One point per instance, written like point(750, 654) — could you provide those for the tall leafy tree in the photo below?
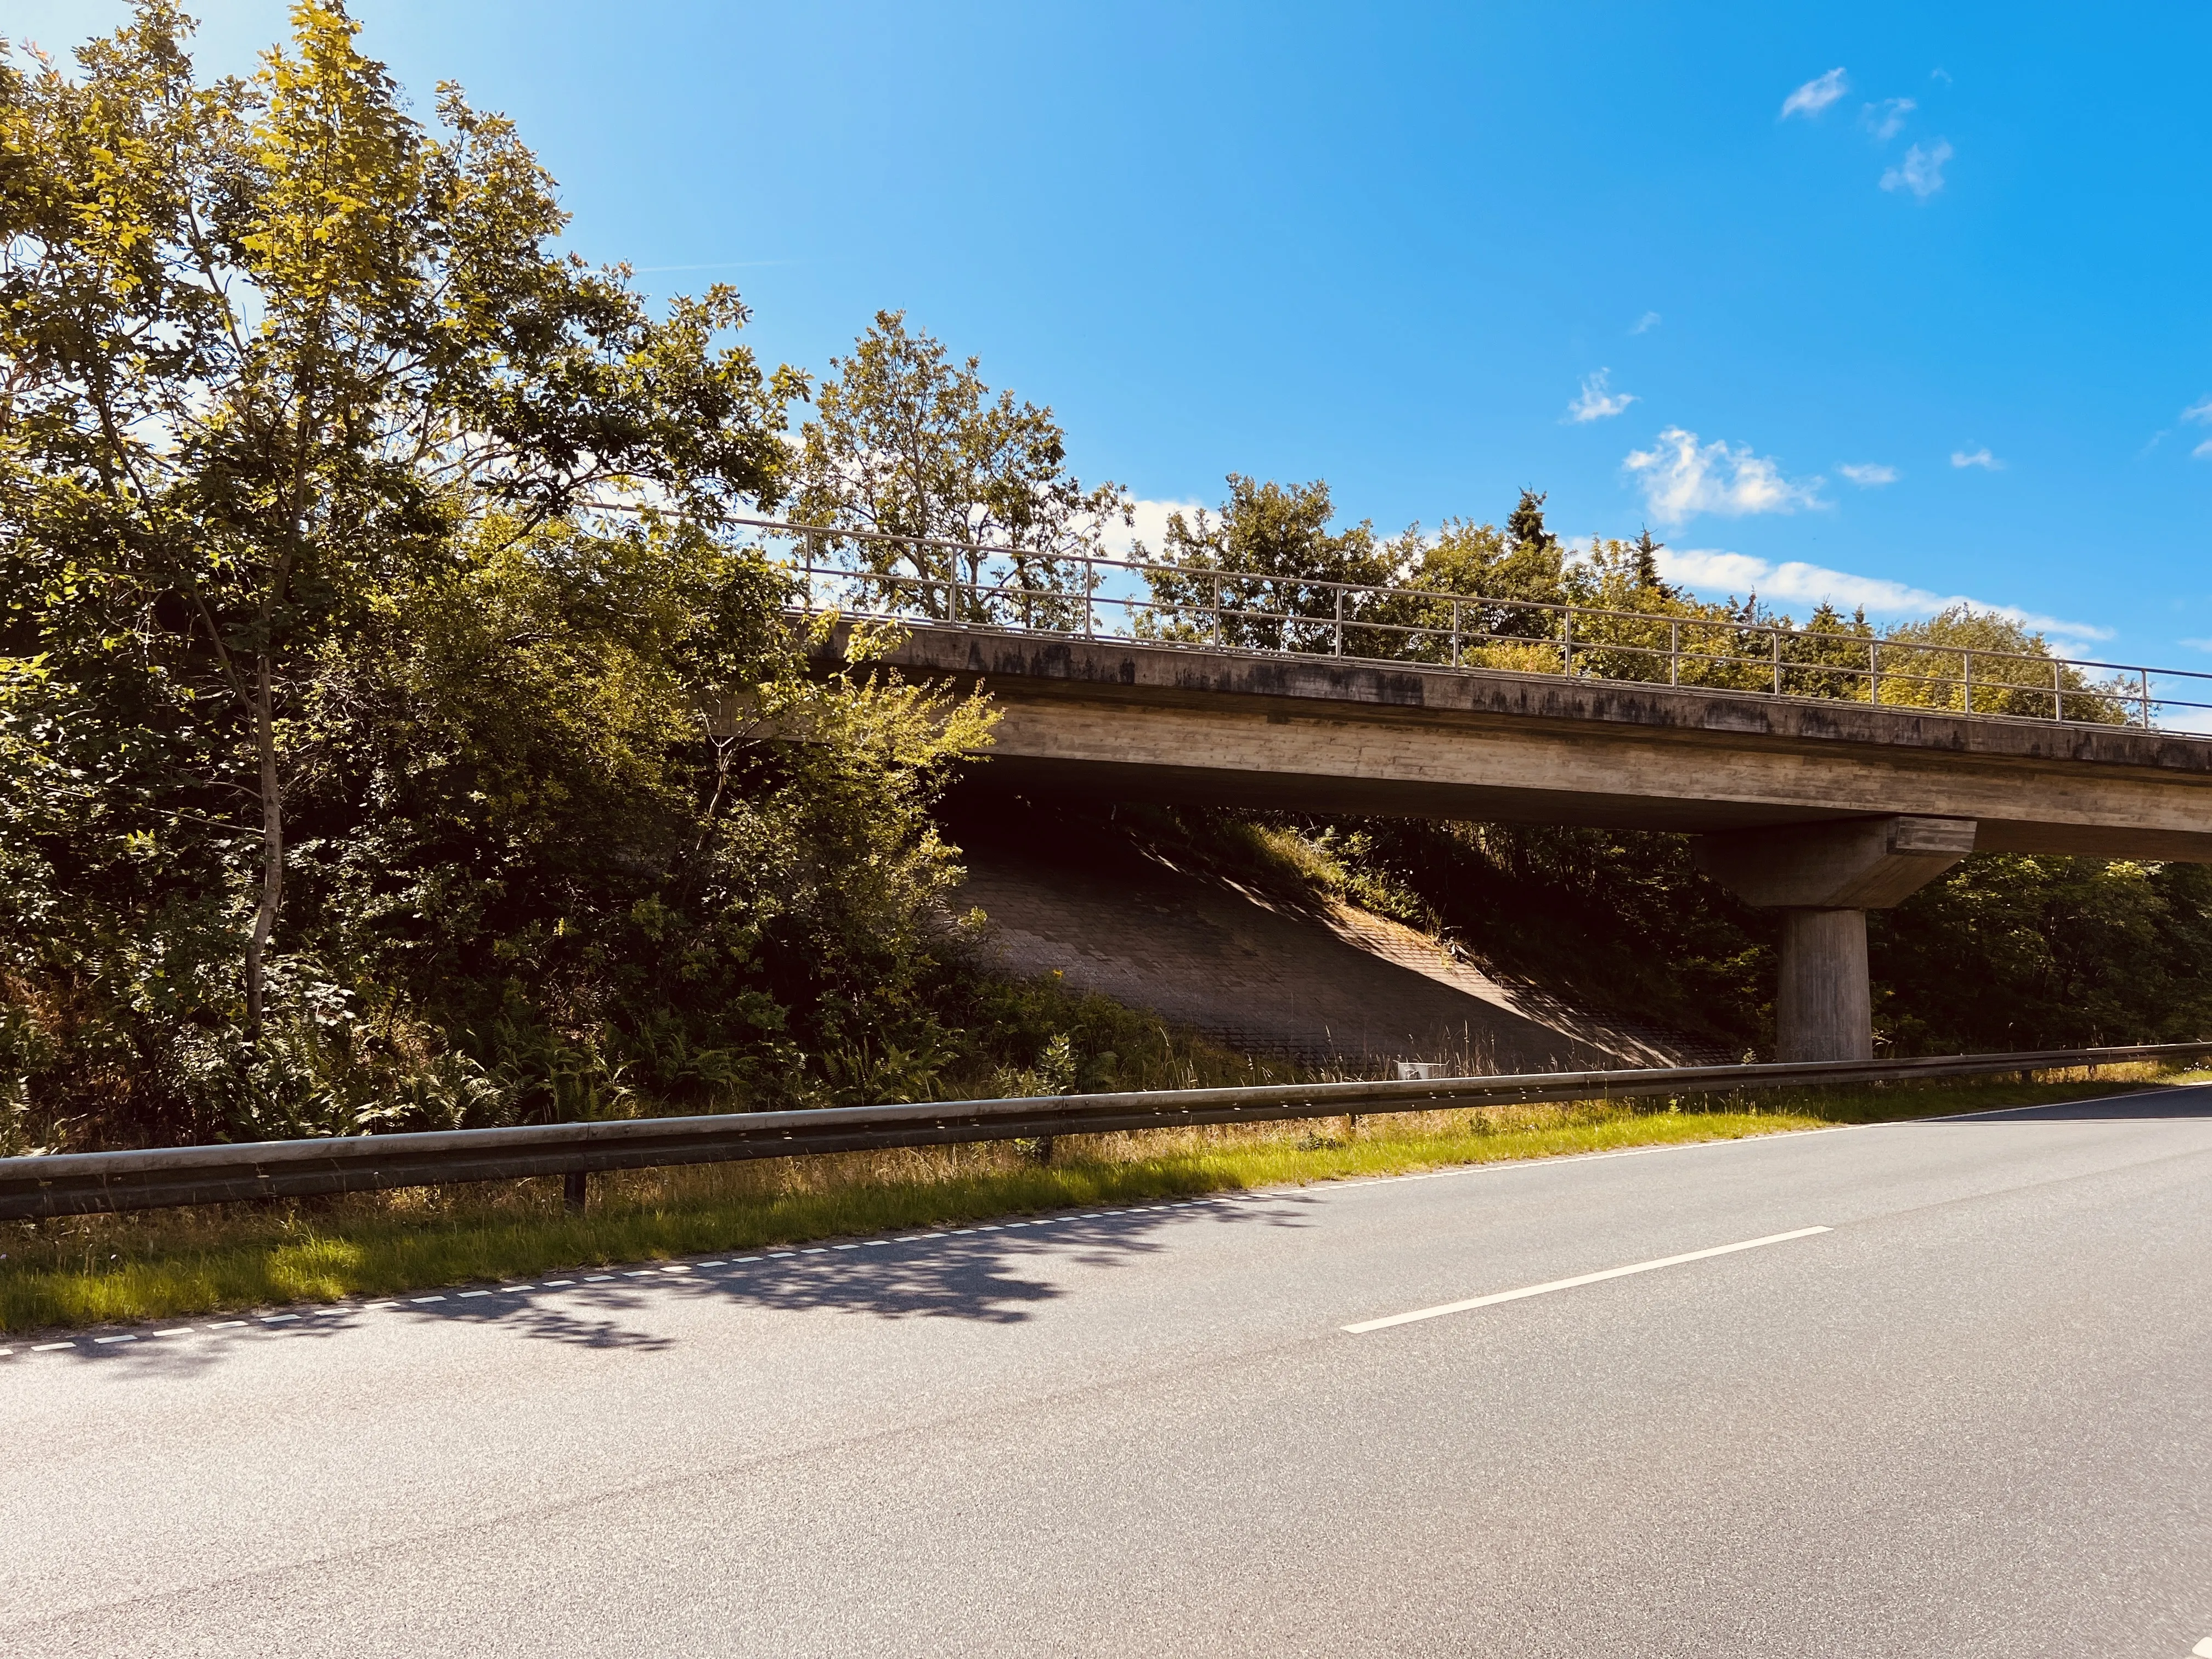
point(269, 342)
point(908, 442)
point(1267, 571)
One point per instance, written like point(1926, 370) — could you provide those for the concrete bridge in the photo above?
point(1822, 810)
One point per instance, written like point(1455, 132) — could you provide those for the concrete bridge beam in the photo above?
point(1824, 877)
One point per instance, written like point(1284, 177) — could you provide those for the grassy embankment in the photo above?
point(91, 1270)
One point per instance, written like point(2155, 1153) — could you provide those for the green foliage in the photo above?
point(270, 344)
point(906, 442)
point(1280, 557)
point(318, 611)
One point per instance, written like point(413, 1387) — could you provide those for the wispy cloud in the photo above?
point(1682, 478)
point(1887, 119)
point(1598, 401)
point(2200, 412)
point(1981, 458)
point(1815, 95)
point(1715, 570)
point(1870, 474)
point(1921, 172)
point(1646, 323)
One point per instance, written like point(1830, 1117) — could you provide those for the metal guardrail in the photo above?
point(84, 1183)
point(1071, 594)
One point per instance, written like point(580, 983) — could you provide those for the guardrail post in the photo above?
point(1216, 610)
point(1339, 647)
point(1567, 640)
point(1775, 636)
point(1967, 682)
point(2145, 673)
point(1455, 633)
point(1089, 597)
point(575, 1191)
point(1674, 652)
point(1873, 672)
point(2057, 690)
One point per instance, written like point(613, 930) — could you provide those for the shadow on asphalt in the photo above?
point(2174, 1102)
point(977, 1275)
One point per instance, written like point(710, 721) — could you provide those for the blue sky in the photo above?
point(1887, 303)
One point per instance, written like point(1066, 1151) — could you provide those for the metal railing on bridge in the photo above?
point(1090, 596)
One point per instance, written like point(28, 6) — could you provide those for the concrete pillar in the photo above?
point(1822, 1006)
point(1824, 877)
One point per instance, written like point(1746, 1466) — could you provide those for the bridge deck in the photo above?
point(1138, 721)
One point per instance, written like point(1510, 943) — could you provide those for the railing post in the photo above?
point(1339, 647)
point(1775, 636)
point(1567, 640)
point(1873, 672)
point(1089, 592)
point(1967, 681)
point(1674, 652)
point(1455, 633)
point(2145, 673)
point(1217, 609)
point(2057, 690)
point(575, 1191)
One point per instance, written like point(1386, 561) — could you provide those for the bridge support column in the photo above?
point(1823, 1009)
point(1824, 877)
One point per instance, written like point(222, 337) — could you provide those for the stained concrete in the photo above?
point(1324, 984)
point(1131, 720)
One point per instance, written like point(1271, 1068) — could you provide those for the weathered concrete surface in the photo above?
point(1324, 985)
point(1823, 1005)
point(1159, 722)
point(1849, 864)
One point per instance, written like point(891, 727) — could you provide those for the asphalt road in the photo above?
point(1974, 1417)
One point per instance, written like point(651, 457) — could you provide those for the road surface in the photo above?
point(1972, 1416)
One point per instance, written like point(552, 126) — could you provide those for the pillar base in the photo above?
point(1822, 1009)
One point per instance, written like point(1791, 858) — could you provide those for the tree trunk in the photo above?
point(272, 843)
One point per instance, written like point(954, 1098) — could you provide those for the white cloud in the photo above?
point(1646, 323)
point(1682, 478)
point(1598, 401)
point(1150, 526)
point(1815, 95)
point(1921, 172)
point(1980, 457)
point(2201, 411)
point(2202, 450)
point(1716, 571)
point(1887, 119)
point(1872, 474)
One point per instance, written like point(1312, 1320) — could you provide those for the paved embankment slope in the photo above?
point(1319, 981)
point(1972, 1417)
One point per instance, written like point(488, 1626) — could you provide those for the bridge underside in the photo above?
point(1169, 784)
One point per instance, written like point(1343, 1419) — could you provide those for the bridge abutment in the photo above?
point(1824, 877)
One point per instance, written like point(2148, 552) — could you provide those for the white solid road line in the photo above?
point(2202, 1649)
point(1580, 1278)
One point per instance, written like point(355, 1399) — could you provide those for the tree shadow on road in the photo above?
point(1000, 1275)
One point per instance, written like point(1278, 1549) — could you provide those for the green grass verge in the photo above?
point(166, 1264)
